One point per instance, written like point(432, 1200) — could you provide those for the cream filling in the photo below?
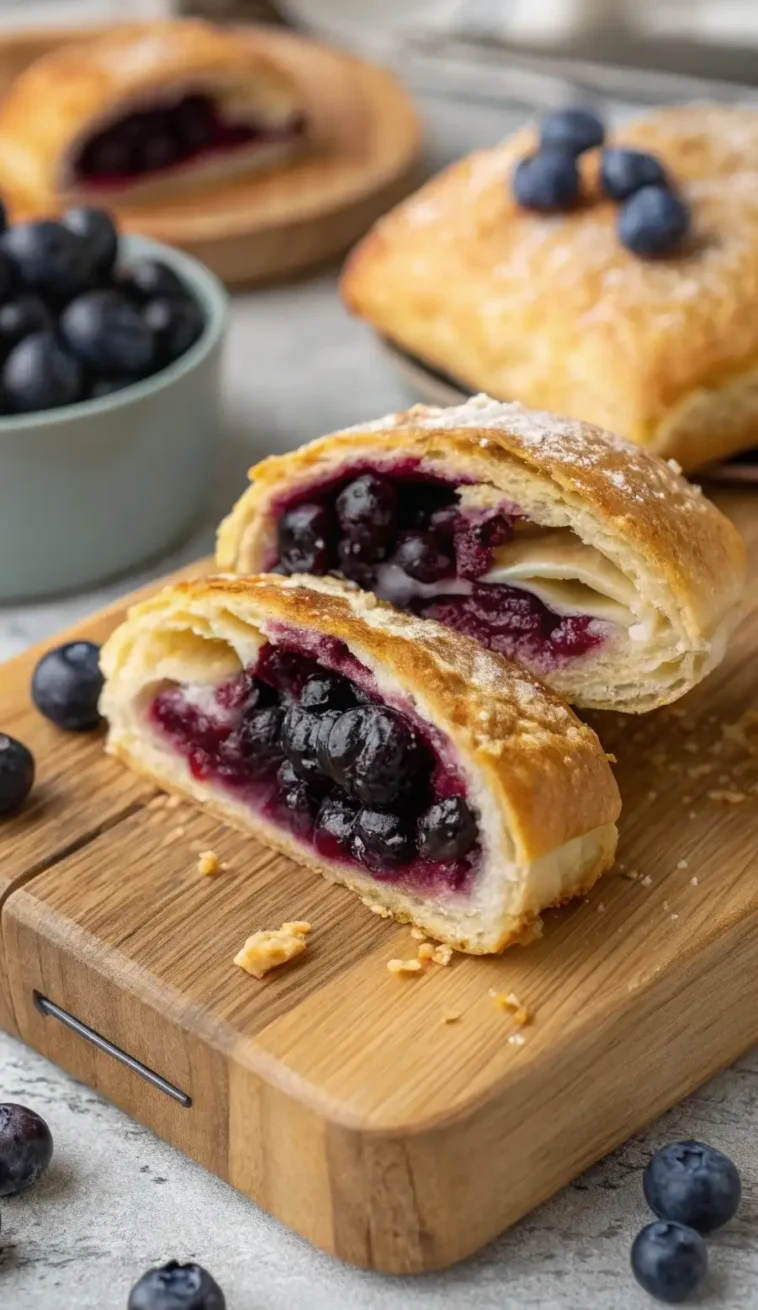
point(565, 574)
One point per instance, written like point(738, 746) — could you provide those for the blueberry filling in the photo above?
point(162, 136)
point(314, 749)
point(407, 537)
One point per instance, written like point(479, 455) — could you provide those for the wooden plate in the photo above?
point(268, 225)
point(438, 389)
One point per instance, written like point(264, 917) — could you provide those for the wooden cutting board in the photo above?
point(266, 226)
point(333, 1093)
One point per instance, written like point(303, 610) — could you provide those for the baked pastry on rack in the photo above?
point(433, 778)
point(551, 310)
point(130, 115)
point(590, 561)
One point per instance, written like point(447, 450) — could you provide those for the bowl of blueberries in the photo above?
point(109, 399)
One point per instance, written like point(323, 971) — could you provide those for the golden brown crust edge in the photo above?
point(61, 94)
point(680, 535)
point(664, 352)
point(545, 769)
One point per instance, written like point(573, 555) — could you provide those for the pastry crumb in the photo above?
point(512, 1005)
point(630, 874)
point(693, 882)
point(452, 1016)
point(443, 954)
point(674, 916)
point(425, 951)
point(730, 797)
point(686, 800)
point(601, 908)
point(652, 795)
point(173, 802)
point(699, 770)
point(692, 747)
point(382, 910)
point(516, 1039)
point(404, 966)
point(208, 863)
point(646, 881)
point(692, 814)
point(683, 864)
point(270, 947)
point(675, 465)
point(611, 758)
point(418, 935)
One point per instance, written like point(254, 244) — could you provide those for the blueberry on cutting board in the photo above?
point(16, 773)
point(669, 1260)
point(66, 686)
point(26, 1148)
point(693, 1184)
point(177, 1287)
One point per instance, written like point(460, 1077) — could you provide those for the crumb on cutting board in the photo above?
point(452, 1016)
point(270, 947)
point(208, 863)
point(512, 1005)
point(404, 966)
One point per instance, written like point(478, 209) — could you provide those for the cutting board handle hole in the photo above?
point(52, 1011)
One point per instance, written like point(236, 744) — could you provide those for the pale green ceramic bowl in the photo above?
point(93, 489)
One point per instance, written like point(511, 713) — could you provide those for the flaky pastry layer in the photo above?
point(552, 311)
point(537, 777)
point(683, 560)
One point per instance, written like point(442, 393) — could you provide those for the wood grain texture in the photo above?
point(266, 226)
point(332, 1092)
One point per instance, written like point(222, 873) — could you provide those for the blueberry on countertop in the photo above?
point(98, 230)
point(547, 181)
point(176, 323)
point(669, 1260)
point(48, 258)
point(108, 334)
point(26, 1148)
point(16, 773)
point(147, 278)
point(40, 374)
point(693, 1184)
point(653, 222)
point(623, 171)
point(572, 130)
point(66, 686)
point(177, 1287)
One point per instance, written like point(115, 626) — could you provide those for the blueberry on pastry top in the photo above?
point(131, 114)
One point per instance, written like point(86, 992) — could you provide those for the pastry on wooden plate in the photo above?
point(550, 309)
point(142, 110)
point(436, 780)
point(590, 561)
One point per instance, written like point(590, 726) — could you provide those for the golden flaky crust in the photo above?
point(539, 778)
point(550, 310)
point(683, 556)
point(66, 95)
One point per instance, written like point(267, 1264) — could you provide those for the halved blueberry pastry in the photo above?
point(590, 561)
point(393, 756)
point(142, 109)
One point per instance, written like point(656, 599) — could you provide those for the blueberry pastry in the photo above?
point(615, 283)
point(134, 113)
point(590, 561)
point(434, 779)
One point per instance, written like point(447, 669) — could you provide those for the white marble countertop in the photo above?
point(117, 1200)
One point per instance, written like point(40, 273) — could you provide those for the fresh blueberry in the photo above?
point(106, 386)
point(148, 278)
point(39, 374)
point(305, 536)
point(653, 221)
point(327, 691)
point(299, 802)
point(573, 130)
point(66, 686)
point(334, 823)
point(447, 831)
point(693, 1184)
point(258, 741)
point(669, 1260)
point(299, 742)
point(374, 753)
point(105, 331)
point(16, 773)
point(622, 171)
point(420, 556)
point(547, 181)
point(19, 318)
point(367, 512)
point(379, 839)
point(26, 1148)
point(175, 324)
point(177, 1287)
point(98, 230)
point(48, 258)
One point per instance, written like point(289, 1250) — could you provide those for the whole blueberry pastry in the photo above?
point(433, 778)
point(133, 114)
point(590, 561)
point(615, 283)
